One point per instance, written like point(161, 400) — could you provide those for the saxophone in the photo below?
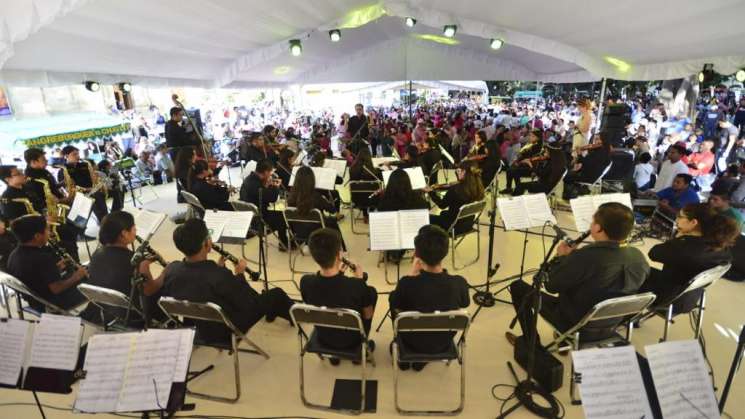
point(70, 187)
point(30, 210)
point(96, 182)
point(54, 208)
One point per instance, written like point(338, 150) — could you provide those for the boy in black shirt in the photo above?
point(428, 288)
point(331, 288)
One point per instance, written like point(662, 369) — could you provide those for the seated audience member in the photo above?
point(643, 172)
point(671, 167)
point(701, 162)
point(200, 280)
point(305, 197)
point(677, 196)
point(719, 200)
point(261, 190)
point(468, 189)
point(330, 287)
point(211, 195)
point(586, 276)
point(39, 268)
point(729, 180)
point(428, 288)
point(111, 265)
point(703, 241)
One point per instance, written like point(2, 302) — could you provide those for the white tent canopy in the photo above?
point(244, 43)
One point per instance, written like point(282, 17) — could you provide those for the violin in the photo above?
point(439, 186)
point(217, 182)
point(532, 160)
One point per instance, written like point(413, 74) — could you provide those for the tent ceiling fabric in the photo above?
point(243, 43)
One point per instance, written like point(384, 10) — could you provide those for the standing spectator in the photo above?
point(164, 164)
point(671, 167)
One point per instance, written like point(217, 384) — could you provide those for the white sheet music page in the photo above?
point(621, 198)
point(81, 207)
point(340, 166)
point(409, 223)
point(292, 175)
point(682, 380)
point(186, 345)
point(416, 176)
point(384, 231)
point(583, 208)
point(13, 335)
point(300, 158)
point(325, 178)
point(105, 365)
point(513, 213)
point(446, 155)
point(377, 161)
point(148, 222)
point(234, 224)
point(215, 224)
point(250, 167)
point(612, 385)
point(150, 371)
point(538, 209)
point(56, 342)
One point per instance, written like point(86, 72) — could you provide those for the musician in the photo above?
point(200, 280)
point(357, 126)
point(260, 189)
point(257, 150)
point(305, 197)
point(589, 167)
point(468, 189)
point(284, 166)
point(583, 277)
point(363, 169)
point(111, 266)
point(183, 168)
point(176, 135)
point(520, 168)
point(331, 287)
point(319, 160)
point(428, 288)
point(36, 171)
point(8, 242)
point(490, 164)
point(82, 175)
point(399, 195)
point(581, 132)
point(211, 194)
point(39, 268)
point(428, 157)
point(704, 239)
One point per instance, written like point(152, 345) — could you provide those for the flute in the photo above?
point(254, 275)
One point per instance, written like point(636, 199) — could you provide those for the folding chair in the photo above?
point(212, 312)
point(359, 195)
point(465, 223)
point(260, 230)
point(299, 229)
point(611, 314)
point(596, 187)
point(341, 318)
point(196, 208)
point(19, 288)
point(665, 308)
point(101, 297)
point(411, 322)
point(553, 195)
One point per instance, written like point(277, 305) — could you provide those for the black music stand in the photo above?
point(737, 359)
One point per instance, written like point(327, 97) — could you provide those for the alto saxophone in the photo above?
point(54, 208)
point(70, 187)
point(30, 210)
point(96, 182)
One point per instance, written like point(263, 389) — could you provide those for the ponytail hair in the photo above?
point(719, 231)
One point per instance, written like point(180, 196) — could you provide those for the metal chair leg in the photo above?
point(668, 320)
point(572, 383)
point(700, 317)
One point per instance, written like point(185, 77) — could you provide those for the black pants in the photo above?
point(531, 187)
point(522, 301)
point(100, 209)
point(275, 303)
point(514, 174)
point(276, 221)
point(117, 199)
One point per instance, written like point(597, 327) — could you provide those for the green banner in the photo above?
point(75, 136)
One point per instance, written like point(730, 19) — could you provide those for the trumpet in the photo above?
point(150, 253)
point(254, 275)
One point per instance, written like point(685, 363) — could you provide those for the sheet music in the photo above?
point(325, 178)
point(583, 209)
point(446, 155)
point(416, 176)
point(612, 385)
point(215, 226)
point(105, 365)
point(148, 222)
point(292, 175)
point(250, 167)
point(682, 380)
point(186, 344)
point(13, 335)
point(340, 166)
point(377, 161)
point(621, 198)
point(512, 212)
point(300, 158)
point(81, 208)
point(538, 209)
point(384, 230)
point(409, 223)
point(234, 224)
point(149, 373)
point(56, 342)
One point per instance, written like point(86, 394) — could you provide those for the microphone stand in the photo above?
point(137, 282)
point(262, 253)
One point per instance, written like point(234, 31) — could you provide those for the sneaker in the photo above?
point(418, 366)
point(404, 366)
point(371, 345)
point(335, 361)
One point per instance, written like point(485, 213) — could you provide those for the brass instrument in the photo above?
point(97, 184)
point(54, 208)
point(30, 210)
point(254, 275)
point(70, 187)
point(151, 253)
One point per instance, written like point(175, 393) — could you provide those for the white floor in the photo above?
point(270, 387)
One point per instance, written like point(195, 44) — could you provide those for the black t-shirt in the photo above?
point(339, 291)
point(12, 209)
point(110, 268)
point(359, 125)
point(211, 196)
point(176, 135)
point(250, 193)
point(79, 173)
point(427, 293)
point(37, 268)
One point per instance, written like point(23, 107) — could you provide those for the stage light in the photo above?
point(496, 43)
point(740, 76)
point(296, 48)
point(449, 30)
point(125, 87)
point(707, 74)
point(92, 86)
point(335, 35)
point(410, 22)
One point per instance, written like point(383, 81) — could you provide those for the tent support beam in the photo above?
point(601, 105)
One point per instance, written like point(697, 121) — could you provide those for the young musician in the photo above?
point(428, 157)
point(520, 168)
point(588, 167)
point(398, 194)
point(363, 169)
point(210, 194)
point(260, 189)
point(82, 175)
point(176, 136)
point(703, 241)
point(428, 288)
point(549, 172)
point(468, 189)
point(39, 268)
point(491, 163)
point(37, 173)
point(200, 280)
point(183, 167)
point(111, 265)
point(318, 160)
point(583, 277)
point(305, 197)
point(284, 166)
point(331, 288)
point(258, 150)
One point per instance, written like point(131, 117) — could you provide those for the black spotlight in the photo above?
point(296, 48)
point(125, 87)
point(410, 22)
point(92, 86)
point(335, 35)
point(707, 74)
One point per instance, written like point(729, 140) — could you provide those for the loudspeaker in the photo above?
point(547, 370)
point(613, 124)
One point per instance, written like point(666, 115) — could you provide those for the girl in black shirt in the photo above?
point(182, 169)
point(704, 240)
point(398, 194)
point(468, 189)
point(306, 198)
point(284, 166)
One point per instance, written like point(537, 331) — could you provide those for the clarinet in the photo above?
point(70, 264)
point(346, 262)
point(579, 239)
point(151, 253)
point(255, 276)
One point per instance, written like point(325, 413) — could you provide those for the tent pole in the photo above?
point(410, 113)
point(601, 105)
